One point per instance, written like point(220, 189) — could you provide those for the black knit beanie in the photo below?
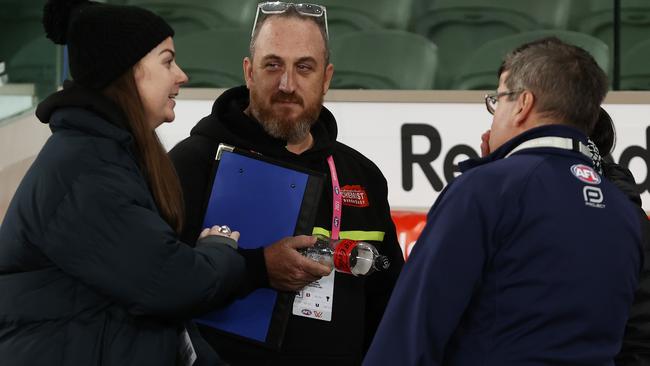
point(103, 40)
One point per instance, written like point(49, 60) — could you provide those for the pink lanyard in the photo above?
point(336, 200)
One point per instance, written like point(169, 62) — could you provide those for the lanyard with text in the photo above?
point(336, 199)
point(316, 300)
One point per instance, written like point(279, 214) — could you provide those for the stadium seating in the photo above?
point(479, 71)
point(187, 16)
point(635, 72)
point(341, 20)
point(213, 58)
point(458, 27)
point(36, 62)
point(240, 12)
point(383, 59)
point(462, 30)
point(596, 17)
point(21, 23)
point(345, 15)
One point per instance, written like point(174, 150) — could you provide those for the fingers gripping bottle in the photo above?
point(348, 256)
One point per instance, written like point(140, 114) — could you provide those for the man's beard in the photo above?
point(279, 125)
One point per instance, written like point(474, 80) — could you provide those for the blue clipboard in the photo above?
point(265, 200)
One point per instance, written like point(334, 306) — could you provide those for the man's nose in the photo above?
point(287, 82)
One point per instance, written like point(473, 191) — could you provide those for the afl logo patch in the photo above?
point(585, 174)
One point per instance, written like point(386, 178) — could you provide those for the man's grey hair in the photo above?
point(566, 81)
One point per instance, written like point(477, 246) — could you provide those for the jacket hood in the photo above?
point(228, 123)
point(80, 108)
point(622, 178)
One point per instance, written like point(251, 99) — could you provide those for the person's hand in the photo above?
point(221, 231)
point(485, 143)
point(288, 270)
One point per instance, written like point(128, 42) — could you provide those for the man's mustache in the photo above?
point(281, 97)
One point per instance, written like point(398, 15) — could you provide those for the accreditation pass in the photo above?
point(315, 300)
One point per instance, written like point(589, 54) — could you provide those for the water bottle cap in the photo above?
point(382, 262)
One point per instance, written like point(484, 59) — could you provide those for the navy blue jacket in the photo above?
point(521, 263)
point(90, 274)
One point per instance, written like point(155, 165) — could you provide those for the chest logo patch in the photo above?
point(585, 174)
point(354, 196)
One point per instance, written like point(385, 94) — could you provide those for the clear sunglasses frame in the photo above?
point(279, 7)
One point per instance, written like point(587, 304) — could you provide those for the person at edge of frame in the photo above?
point(91, 268)
point(635, 350)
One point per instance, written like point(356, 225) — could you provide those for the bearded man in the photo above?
point(280, 114)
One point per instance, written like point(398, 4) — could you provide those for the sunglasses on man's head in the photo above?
point(279, 7)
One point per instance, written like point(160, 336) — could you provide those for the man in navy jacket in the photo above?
point(530, 257)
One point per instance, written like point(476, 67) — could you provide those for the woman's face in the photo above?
point(158, 79)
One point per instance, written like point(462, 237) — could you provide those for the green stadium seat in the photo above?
point(21, 23)
point(37, 62)
point(341, 21)
point(240, 12)
point(479, 71)
point(184, 17)
point(346, 15)
point(420, 7)
point(635, 73)
point(213, 58)
point(383, 59)
point(596, 17)
point(458, 27)
point(187, 16)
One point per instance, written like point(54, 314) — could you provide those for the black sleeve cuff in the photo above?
point(217, 239)
point(256, 275)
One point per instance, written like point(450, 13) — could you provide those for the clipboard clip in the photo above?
point(222, 148)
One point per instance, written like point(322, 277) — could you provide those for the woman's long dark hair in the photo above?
point(154, 161)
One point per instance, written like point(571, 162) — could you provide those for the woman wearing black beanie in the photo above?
point(91, 270)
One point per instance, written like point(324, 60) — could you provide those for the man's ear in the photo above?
point(525, 103)
point(329, 72)
point(248, 71)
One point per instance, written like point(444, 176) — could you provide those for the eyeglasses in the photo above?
point(492, 99)
point(279, 7)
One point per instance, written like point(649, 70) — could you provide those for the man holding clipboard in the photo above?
point(279, 114)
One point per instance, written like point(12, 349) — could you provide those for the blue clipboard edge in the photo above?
point(254, 155)
point(308, 208)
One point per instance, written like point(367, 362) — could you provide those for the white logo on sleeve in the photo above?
point(593, 196)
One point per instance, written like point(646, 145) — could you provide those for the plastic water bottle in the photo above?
point(348, 256)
